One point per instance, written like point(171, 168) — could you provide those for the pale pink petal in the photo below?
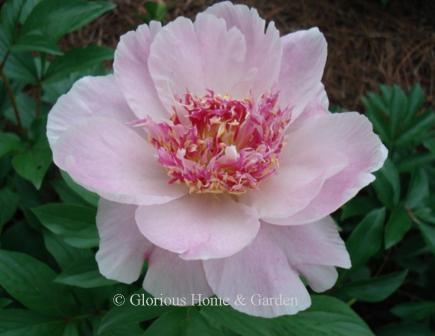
point(298, 181)
point(132, 73)
point(272, 264)
point(199, 226)
point(351, 135)
point(302, 64)
point(196, 57)
point(314, 243)
point(260, 270)
point(122, 250)
point(263, 45)
point(223, 55)
point(317, 106)
point(319, 277)
point(89, 97)
point(169, 276)
point(111, 159)
point(175, 61)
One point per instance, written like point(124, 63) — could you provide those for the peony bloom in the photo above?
point(216, 160)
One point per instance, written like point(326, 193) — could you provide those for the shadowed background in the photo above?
point(369, 42)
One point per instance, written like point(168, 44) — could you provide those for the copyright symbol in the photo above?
point(118, 300)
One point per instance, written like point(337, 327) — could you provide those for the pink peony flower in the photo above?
point(216, 160)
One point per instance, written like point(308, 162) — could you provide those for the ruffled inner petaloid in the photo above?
point(217, 144)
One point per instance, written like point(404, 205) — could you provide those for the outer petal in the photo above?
point(303, 61)
point(351, 135)
point(317, 106)
point(112, 160)
point(259, 271)
point(132, 73)
point(285, 253)
point(264, 49)
point(316, 243)
point(195, 57)
point(172, 277)
point(122, 247)
point(298, 181)
point(199, 226)
point(89, 97)
point(319, 277)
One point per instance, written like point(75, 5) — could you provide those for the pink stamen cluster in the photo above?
point(216, 144)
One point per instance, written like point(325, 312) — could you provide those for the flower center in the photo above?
point(216, 144)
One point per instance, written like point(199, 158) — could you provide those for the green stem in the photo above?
point(38, 100)
point(10, 94)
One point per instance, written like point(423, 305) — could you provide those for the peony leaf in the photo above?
point(414, 310)
point(76, 60)
point(74, 223)
point(8, 205)
point(327, 316)
point(24, 322)
point(58, 18)
point(397, 226)
point(83, 273)
point(374, 289)
point(124, 320)
point(368, 230)
point(33, 163)
point(30, 282)
point(183, 322)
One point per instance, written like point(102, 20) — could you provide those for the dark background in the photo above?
point(369, 41)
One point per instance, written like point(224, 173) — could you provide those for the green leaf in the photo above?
point(34, 163)
point(414, 310)
point(155, 11)
point(88, 196)
point(359, 205)
point(430, 144)
point(9, 142)
point(58, 18)
point(8, 205)
point(22, 238)
point(17, 322)
point(124, 320)
point(74, 223)
point(428, 233)
point(418, 189)
point(415, 102)
point(327, 316)
point(21, 67)
point(83, 273)
point(397, 226)
point(387, 184)
point(377, 112)
point(184, 321)
point(26, 107)
point(78, 59)
point(416, 134)
point(65, 193)
point(12, 13)
point(374, 289)
point(31, 283)
point(64, 254)
point(4, 302)
point(368, 230)
point(405, 329)
point(414, 161)
point(72, 329)
point(36, 41)
point(398, 109)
